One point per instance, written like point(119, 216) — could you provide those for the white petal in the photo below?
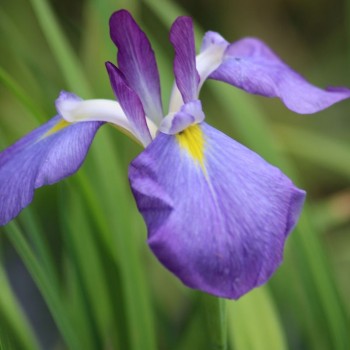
point(108, 111)
point(176, 100)
point(209, 60)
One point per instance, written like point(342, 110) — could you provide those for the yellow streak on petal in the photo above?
point(59, 126)
point(64, 123)
point(192, 140)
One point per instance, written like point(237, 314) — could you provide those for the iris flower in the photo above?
point(217, 214)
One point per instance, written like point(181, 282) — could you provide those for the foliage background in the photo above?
point(75, 271)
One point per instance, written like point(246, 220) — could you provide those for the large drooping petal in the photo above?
point(48, 154)
point(130, 103)
point(251, 65)
point(137, 62)
point(186, 75)
point(217, 214)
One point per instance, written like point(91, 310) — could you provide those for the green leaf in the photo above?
point(254, 324)
point(44, 283)
point(14, 325)
point(65, 56)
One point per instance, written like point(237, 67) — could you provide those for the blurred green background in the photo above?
point(75, 270)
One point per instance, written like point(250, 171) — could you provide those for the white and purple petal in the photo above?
point(130, 103)
point(218, 222)
point(212, 39)
point(209, 59)
point(251, 65)
point(109, 111)
point(211, 55)
point(74, 109)
point(189, 114)
point(186, 75)
point(137, 62)
point(48, 154)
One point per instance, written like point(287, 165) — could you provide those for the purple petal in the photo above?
point(45, 156)
point(190, 113)
point(186, 75)
point(219, 225)
point(252, 66)
point(130, 103)
point(137, 62)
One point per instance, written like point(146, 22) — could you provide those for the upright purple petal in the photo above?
point(218, 222)
point(186, 75)
point(130, 103)
point(48, 154)
point(137, 62)
point(252, 66)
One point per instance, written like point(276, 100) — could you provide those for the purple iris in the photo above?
point(217, 214)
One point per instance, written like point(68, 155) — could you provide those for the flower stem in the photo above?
point(216, 321)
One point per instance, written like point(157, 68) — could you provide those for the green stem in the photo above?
point(216, 321)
